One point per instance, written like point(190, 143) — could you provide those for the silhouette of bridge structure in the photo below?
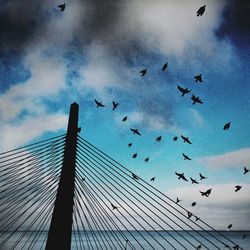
point(65, 193)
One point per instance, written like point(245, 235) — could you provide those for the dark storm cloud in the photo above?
point(19, 22)
point(236, 24)
point(105, 24)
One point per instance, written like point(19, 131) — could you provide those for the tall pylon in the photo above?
point(59, 236)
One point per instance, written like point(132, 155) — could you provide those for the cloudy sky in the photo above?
point(95, 50)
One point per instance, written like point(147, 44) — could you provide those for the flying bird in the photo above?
point(175, 138)
point(237, 188)
point(189, 215)
point(114, 207)
point(227, 126)
point(193, 204)
point(193, 181)
point(186, 157)
point(206, 193)
point(181, 176)
point(62, 7)
point(246, 170)
point(198, 78)
point(229, 226)
point(99, 104)
point(147, 159)
point(196, 99)
point(198, 247)
point(115, 105)
point(202, 177)
point(135, 177)
point(130, 144)
point(124, 119)
point(185, 139)
point(201, 11)
point(134, 155)
point(196, 218)
point(183, 91)
point(177, 200)
point(158, 138)
point(135, 131)
point(152, 179)
point(164, 67)
point(143, 72)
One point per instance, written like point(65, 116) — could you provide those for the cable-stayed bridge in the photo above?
point(65, 193)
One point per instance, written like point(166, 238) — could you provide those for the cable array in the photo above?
point(111, 199)
point(29, 177)
point(113, 207)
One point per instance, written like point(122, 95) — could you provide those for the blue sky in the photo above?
point(49, 59)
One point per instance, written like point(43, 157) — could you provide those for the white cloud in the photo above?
point(46, 80)
point(234, 159)
point(223, 207)
point(152, 122)
point(14, 135)
point(172, 26)
point(196, 117)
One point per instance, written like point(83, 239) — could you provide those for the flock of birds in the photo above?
point(185, 139)
point(195, 99)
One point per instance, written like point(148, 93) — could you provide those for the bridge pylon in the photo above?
point(59, 235)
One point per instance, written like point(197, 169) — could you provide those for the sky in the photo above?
point(96, 49)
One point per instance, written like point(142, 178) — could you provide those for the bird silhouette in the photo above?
point(196, 99)
point(201, 11)
point(185, 139)
point(99, 104)
point(206, 193)
point(130, 144)
point(193, 181)
point(164, 67)
point(246, 170)
point(196, 218)
point(193, 204)
point(186, 157)
point(134, 155)
point(152, 179)
point(115, 105)
point(198, 78)
point(229, 226)
point(237, 188)
point(177, 200)
point(202, 177)
point(181, 176)
point(175, 138)
point(135, 177)
point(143, 72)
point(147, 159)
point(124, 119)
point(158, 138)
point(183, 91)
point(114, 207)
point(135, 131)
point(227, 126)
point(62, 7)
point(198, 247)
point(189, 215)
